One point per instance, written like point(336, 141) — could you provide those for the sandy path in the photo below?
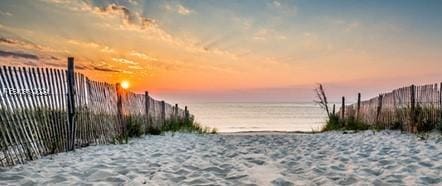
point(266, 159)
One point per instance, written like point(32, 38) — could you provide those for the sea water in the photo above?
point(235, 117)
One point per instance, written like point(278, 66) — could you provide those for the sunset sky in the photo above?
point(247, 50)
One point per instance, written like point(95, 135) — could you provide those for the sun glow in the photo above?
point(125, 84)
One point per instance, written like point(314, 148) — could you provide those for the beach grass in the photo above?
point(135, 126)
point(188, 125)
point(351, 123)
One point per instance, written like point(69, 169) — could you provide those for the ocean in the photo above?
point(237, 117)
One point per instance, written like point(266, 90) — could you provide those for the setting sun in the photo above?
point(125, 84)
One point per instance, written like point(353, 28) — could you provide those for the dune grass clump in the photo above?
point(351, 123)
point(134, 126)
point(439, 126)
point(424, 120)
point(186, 125)
point(333, 123)
point(153, 130)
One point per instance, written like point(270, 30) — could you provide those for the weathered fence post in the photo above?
point(70, 75)
point(440, 102)
point(147, 108)
point(358, 106)
point(343, 108)
point(120, 115)
point(175, 110)
point(186, 114)
point(413, 109)
point(379, 109)
point(163, 112)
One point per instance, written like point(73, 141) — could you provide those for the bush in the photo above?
point(153, 131)
point(186, 125)
point(350, 123)
point(439, 126)
point(134, 126)
point(354, 124)
point(333, 123)
point(214, 131)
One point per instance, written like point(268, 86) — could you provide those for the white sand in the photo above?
point(266, 159)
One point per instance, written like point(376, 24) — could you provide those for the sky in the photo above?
point(249, 50)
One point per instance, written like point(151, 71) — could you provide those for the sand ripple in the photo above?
point(384, 158)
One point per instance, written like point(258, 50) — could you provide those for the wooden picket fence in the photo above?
point(45, 111)
point(412, 109)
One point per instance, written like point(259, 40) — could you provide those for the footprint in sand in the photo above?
point(426, 164)
point(430, 180)
point(351, 180)
point(235, 176)
point(281, 182)
point(255, 161)
point(375, 172)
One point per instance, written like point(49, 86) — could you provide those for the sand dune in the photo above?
point(332, 158)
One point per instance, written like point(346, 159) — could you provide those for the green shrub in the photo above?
point(424, 121)
point(214, 131)
point(134, 126)
point(186, 125)
point(439, 126)
point(153, 131)
point(352, 123)
point(333, 123)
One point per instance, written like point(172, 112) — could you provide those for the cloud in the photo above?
point(183, 10)
point(54, 58)
point(135, 67)
point(147, 23)
point(114, 9)
point(133, 20)
point(345, 25)
point(107, 49)
point(276, 4)
point(18, 55)
point(88, 44)
point(57, 1)
point(7, 41)
point(5, 13)
point(287, 8)
point(105, 69)
point(128, 17)
point(124, 61)
point(351, 26)
point(25, 45)
point(83, 43)
point(143, 56)
point(109, 9)
point(264, 34)
point(178, 8)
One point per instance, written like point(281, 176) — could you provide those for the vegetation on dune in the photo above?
point(135, 127)
point(335, 123)
point(439, 126)
point(424, 120)
point(186, 125)
point(322, 100)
